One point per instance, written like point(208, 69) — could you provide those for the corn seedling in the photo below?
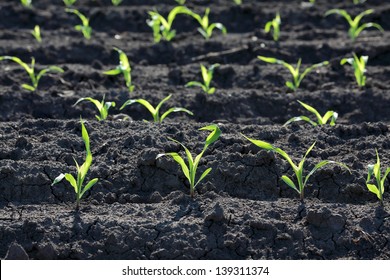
point(69, 3)
point(37, 33)
point(84, 27)
point(31, 72)
point(123, 68)
point(190, 170)
point(116, 2)
point(102, 106)
point(321, 120)
point(297, 77)
point(354, 24)
point(26, 3)
point(82, 171)
point(206, 29)
point(375, 170)
point(359, 66)
point(274, 27)
point(162, 28)
point(298, 169)
point(207, 75)
point(156, 111)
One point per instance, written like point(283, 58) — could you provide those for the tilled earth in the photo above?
point(141, 207)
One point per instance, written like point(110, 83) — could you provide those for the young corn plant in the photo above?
point(102, 106)
point(123, 68)
point(354, 24)
point(190, 169)
point(359, 66)
point(295, 72)
point(84, 27)
point(156, 111)
point(116, 2)
point(274, 27)
point(26, 3)
point(31, 71)
point(330, 116)
point(298, 169)
point(207, 75)
point(374, 170)
point(36, 32)
point(69, 3)
point(206, 29)
point(162, 28)
point(78, 183)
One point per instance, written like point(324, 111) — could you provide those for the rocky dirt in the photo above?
point(141, 207)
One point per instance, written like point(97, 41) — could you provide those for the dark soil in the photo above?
point(141, 207)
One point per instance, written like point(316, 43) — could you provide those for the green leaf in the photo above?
point(182, 164)
point(260, 144)
point(194, 84)
point(312, 110)
point(204, 174)
point(28, 87)
point(88, 186)
point(143, 102)
point(72, 181)
point(372, 188)
point(214, 135)
point(291, 85)
point(301, 118)
point(113, 72)
point(174, 110)
point(290, 183)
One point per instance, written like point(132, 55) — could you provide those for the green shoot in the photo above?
point(26, 3)
point(156, 111)
point(206, 29)
point(162, 28)
point(190, 170)
point(298, 169)
point(181, 2)
point(275, 25)
point(375, 169)
point(359, 66)
point(321, 120)
point(31, 72)
point(116, 2)
point(37, 33)
point(354, 24)
point(102, 106)
point(82, 171)
point(238, 2)
point(69, 3)
point(297, 77)
point(84, 27)
point(123, 68)
point(207, 75)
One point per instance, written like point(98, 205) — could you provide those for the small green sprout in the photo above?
point(156, 111)
point(354, 24)
point(275, 25)
point(237, 2)
point(26, 3)
point(31, 72)
point(116, 2)
point(321, 120)
point(181, 2)
point(206, 29)
point(69, 3)
point(375, 170)
point(37, 33)
point(359, 66)
point(190, 170)
point(123, 68)
point(84, 27)
point(102, 106)
point(207, 75)
point(162, 28)
point(82, 171)
point(298, 169)
point(297, 77)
